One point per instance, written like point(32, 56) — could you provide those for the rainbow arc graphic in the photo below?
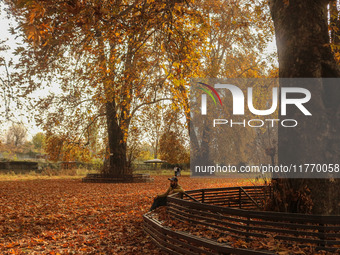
point(209, 93)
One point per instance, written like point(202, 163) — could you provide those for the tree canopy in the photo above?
point(104, 61)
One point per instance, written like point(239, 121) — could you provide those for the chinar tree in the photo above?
point(108, 60)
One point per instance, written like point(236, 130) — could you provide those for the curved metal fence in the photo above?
point(236, 212)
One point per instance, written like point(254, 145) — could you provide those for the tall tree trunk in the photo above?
point(117, 164)
point(117, 145)
point(302, 38)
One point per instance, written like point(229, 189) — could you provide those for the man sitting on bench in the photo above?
point(161, 200)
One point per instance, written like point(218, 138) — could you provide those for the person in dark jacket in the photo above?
point(161, 200)
point(178, 171)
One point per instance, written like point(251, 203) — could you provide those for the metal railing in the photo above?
point(236, 212)
point(248, 197)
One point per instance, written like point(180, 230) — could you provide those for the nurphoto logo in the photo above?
point(238, 107)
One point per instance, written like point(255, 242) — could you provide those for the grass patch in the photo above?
point(46, 174)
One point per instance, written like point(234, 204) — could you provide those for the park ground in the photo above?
point(62, 215)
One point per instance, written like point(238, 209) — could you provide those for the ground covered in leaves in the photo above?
point(71, 217)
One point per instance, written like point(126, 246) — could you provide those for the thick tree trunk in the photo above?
point(301, 29)
point(302, 39)
point(117, 145)
point(117, 164)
